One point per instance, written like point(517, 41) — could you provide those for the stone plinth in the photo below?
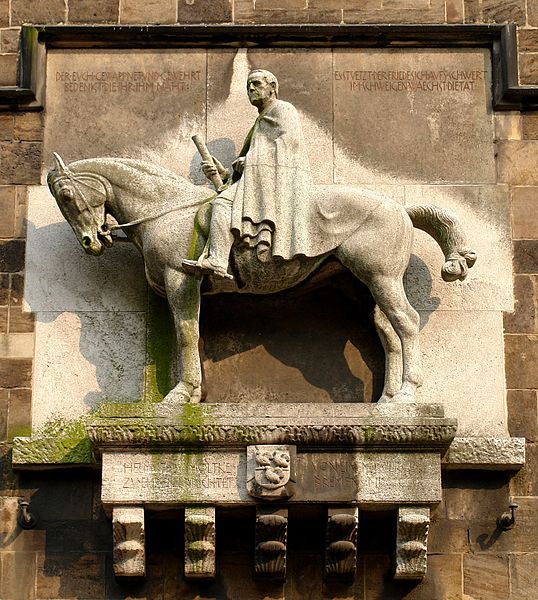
point(365, 455)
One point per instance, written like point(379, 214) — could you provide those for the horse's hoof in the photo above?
point(403, 398)
point(385, 399)
point(171, 404)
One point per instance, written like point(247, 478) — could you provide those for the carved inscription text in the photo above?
point(123, 82)
point(442, 80)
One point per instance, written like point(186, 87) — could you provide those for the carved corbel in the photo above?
point(199, 542)
point(271, 542)
point(341, 543)
point(129, 552)
point(412, 542)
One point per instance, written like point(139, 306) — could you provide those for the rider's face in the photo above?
point(259, 90)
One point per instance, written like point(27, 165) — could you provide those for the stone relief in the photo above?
point(271, 471)
point(266, 229)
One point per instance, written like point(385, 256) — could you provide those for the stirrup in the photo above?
point(204, 267)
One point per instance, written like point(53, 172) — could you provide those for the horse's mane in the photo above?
point(144, 178)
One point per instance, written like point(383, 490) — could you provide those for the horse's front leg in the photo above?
point(183, 293)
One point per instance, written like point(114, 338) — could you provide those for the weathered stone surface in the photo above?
point(524, 209)
point(204, 477)
point(200, 542)
point(29, 126)
point(524, 317)
point(150, 11)
point(9, 39)
point(341, 543)
point(370, 4)
point(271, 471)
point(18, 575)
point(523, 569)
point(15, 372)
point(277, 16)
point(485, 453)
point(59, 450)
point(437, 118)
point(20, 321)
point(517, 162)
point(508, 125)
point(486, 576)
point(12, 254)
point(525, 482)
point(7, 208)
point(525, 256)
point(455, 11)
point(512, 11)
point(528, 68)
point(70, 575)
point(47, 11)
point(4, 403)
point(529, 125)
point(167, 87)
point(450, 335)
point(17, 345)
point(8, 69)
point(7, 122)
point(521, 356)
point(271, 542)
point(94, 11)
point(129, 553)
point(20, 412)
point(20, 163)
point(80, 367)
point(484, 212)
point(412, 542)
point(90, 284)
point(204, 11)
point(523, 414)
point(4, 13)
point(435, 13)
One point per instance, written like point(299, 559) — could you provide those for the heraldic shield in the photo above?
point(271, 471)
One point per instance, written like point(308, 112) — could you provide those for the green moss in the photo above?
point(159, 350)
point(19, 432)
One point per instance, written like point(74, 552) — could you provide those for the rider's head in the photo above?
point(261, 86)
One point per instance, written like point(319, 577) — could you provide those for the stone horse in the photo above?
point(157, 209)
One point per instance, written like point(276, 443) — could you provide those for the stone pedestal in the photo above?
point(347, 456)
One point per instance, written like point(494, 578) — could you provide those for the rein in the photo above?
point(105, 228)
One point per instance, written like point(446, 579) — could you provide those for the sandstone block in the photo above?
point(45, 11)
point(20, 409)
point(291, 16)
point(9, 40)
point(283, 4)
point(455, 11)
point(529, 126)
point(472, 11)
point(18, 575)
point(335, 4)
point(148, 11)
point(434, 14)
point(485, 453)
point(523, 569)
point(532, 14)
point(508, 126)
point(523, 414)
point(204, 11)
point(521, 359)
point(7, 209)
point(15, 372)
point(525, 256)
point(8, 69)
point(485, 576)
point(19, 321)
point(12, 255)
point(4, 402)
point(517, 162)
point(406, 4)
point(503, 11)
point(17, 345)
point(525, 212)
point(93, 11)
point(4, 289)
point(527, 39)
point(29, 126)
point(3, 319)
point(525, 482)
point(7, 122)
point(20, 163)
point(524, 317)
point(528, 68)
point(4, 13)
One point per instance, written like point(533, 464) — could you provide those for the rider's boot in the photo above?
point(220, 244)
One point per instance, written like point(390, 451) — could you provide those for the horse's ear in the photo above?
point(59, 163)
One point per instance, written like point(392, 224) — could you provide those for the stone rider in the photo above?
point(266, 205)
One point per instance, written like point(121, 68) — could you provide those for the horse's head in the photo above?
point(81, 197)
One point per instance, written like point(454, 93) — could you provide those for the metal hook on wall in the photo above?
point(25, 518)
point(508, 519)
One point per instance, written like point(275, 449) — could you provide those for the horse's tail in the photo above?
point(446, 230)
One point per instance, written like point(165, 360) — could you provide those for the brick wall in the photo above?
point(68, 554)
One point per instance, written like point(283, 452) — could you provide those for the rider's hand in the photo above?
point(211, 168)
point(239, 165)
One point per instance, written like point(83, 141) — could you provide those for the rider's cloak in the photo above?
point(271, 202)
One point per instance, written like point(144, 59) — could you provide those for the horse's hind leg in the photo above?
point(393, 355)
point(389, 294)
